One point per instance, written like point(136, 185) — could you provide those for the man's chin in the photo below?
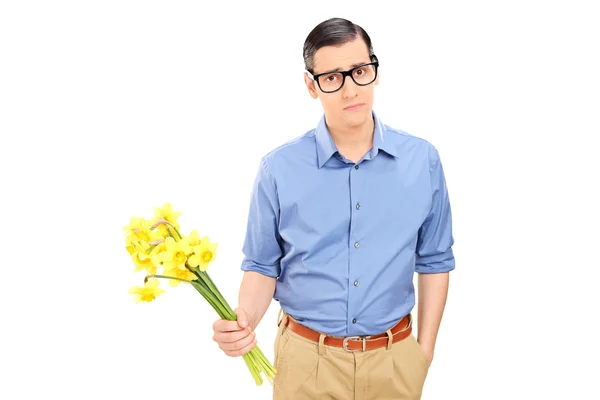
point(357, 118)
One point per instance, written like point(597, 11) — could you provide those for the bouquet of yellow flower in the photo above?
point(156, 244)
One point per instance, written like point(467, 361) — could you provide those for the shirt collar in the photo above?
point(326, 147)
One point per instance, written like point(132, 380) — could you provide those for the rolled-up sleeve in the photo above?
point(434, 252)
point(262, 244)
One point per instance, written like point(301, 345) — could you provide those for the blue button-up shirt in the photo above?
point(344, 239)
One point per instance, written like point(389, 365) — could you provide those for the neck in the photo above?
point(353, 137)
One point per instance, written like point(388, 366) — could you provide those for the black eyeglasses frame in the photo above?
point(349, 72)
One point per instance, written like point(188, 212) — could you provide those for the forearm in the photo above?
point(432, 294)
point(256, 293)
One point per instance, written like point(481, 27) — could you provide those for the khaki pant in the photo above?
point(310, 370)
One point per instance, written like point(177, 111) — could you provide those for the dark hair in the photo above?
point(332, 32)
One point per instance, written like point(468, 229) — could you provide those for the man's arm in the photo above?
point(256, 293)
point(433, 291)
point(261, 266)
point(434, 258)
point(262, 247)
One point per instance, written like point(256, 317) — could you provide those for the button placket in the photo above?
point(355, 236)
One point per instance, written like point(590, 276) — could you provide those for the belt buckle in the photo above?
point(364, 343)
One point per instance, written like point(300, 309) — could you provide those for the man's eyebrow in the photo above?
point(338, 69)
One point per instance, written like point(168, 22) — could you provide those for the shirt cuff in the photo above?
point(435, 263)
point(268, 270)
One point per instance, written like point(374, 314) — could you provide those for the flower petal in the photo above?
point(193, 260)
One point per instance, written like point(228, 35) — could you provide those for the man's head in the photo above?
point(334, 46)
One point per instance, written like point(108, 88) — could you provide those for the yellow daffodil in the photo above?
point(147, 293)
point(142, 260)
point(138, 229)
point(194, 238)
point(156, 251)
point(166, 213)
point(181, 274)
point(204, 253)
point(130, 247)
point(138, 235)
point(175, 254)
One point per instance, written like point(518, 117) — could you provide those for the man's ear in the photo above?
point(311, 86)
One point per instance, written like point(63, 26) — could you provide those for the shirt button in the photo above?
point(358, 206)
point(356, 166)
point(354, 321)
point(356, 245)
point(355, 283)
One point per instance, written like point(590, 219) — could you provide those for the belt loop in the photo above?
point(321, 344)
point(390, 338)
point(409, 316)
point(282, 321)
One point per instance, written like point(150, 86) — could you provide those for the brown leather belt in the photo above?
point(399, 332)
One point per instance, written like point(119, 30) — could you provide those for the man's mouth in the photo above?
point(354, 107)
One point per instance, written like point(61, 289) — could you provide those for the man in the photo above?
point(340, 220)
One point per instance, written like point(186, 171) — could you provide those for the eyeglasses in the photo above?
point(362, 75)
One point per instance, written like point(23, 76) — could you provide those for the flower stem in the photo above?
point(166, 277)
point(171, 233)
point(224, 310)
point(252, 367)
point(216, 291)
point(203, 276)
point(149, 250)
point(204, 291)
point(176, 231)
point(211, 299)
point(255, 359)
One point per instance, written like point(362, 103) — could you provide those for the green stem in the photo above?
point(251, 366)
point(216, 303)
point(211, 299)
point(214, 288)
point(167, 277)
point(176, 231)
point(204, 291)
point(210, 286)
point(212, 283)
point(255, 359)
point(199, 280)
point(265, 364)
point(202, 276)
point(260, 362)
point(171, 233)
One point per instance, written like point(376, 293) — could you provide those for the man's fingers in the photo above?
point(243, 350)
point(231, 337)
point(223, 325)
point(238, 344)
point(242, 317)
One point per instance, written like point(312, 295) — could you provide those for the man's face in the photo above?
point(337, 105)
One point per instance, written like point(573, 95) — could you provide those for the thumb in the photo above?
point(242, 317)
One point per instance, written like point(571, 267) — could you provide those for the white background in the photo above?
point(110, 108)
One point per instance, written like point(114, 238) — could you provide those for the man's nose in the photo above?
point(349, 89)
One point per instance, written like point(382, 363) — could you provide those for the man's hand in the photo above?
point(235, 338)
